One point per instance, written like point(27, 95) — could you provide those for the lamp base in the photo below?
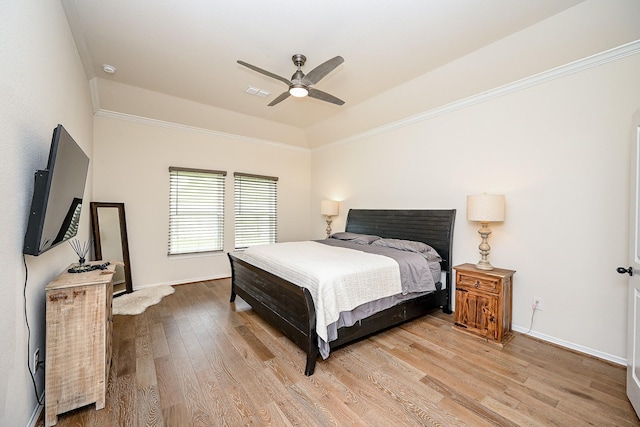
point(484, 247)
point(328, 230)
point(483, 264)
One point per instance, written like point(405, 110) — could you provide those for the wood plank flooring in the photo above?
point(194, 359)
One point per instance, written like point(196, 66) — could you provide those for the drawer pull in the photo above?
point(477, 285)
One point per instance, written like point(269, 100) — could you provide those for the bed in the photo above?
point(290, 308)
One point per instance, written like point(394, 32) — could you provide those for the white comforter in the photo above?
point(339, 279)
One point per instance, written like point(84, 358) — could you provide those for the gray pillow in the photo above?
point(411, 246)
point(362, 239)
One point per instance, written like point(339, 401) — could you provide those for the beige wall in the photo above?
point(559, 151)
point(132, 166)
point(42, 83)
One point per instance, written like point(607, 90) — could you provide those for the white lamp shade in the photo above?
point(329, 207)
point(485, 208)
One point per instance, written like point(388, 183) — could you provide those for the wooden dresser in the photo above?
point(78, 341)
point(483, 302)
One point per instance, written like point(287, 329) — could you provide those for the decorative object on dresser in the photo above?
point(483, 302)
point(329, 208)
point(485, 208)
point(78, 340)
point(81, 249)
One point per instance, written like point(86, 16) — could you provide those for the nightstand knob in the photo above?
point(477, 285)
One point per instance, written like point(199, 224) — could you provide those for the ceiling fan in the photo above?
point(300, 84)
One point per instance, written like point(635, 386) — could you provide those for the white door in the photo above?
point(633, 329)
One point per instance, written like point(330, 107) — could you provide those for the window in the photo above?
point(255, 209)
point(196, 210)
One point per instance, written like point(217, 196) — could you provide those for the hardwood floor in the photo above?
point(194, 359)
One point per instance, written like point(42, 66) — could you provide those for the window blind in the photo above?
point(256, 199)
point(196, 210)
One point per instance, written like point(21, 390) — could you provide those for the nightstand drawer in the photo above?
point(483, 284)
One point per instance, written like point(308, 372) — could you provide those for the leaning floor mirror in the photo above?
point(110, 242)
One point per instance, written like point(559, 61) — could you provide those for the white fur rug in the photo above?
point(138, 301)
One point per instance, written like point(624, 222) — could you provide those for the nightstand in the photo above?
point(483, 302)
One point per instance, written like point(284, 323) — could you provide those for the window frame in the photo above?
point(244, 227)
point(178, 223)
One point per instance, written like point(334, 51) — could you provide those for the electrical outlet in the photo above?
point(36, 360)
point(538, 304)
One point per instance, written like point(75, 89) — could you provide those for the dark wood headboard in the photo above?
point(433, 227)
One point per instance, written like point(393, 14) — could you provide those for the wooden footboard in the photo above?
point(286, 306)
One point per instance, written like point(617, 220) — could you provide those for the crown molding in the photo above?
point(578, 66)
point(177, 126)
point(95, 94)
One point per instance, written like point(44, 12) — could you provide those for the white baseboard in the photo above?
point(36, 413)
point(580, 348)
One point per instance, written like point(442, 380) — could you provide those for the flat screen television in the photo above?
point(57, 195)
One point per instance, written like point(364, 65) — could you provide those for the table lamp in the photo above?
point(329, 208)
point(485, 208)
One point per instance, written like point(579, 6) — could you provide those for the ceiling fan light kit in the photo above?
point(298, 91)
point(300, 84)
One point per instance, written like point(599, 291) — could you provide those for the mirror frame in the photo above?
point(97, 245)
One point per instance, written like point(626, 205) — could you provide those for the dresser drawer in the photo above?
point(482, 284)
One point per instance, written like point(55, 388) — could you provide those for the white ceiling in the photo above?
point(189, 48)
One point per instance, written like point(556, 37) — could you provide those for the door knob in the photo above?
point(623, 270)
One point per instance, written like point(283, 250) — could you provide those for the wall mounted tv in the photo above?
point(57, 195)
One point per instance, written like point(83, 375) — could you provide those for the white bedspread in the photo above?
point(339, 279)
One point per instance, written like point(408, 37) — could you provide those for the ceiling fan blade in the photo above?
point(265, 72)
point(324, 96)
point(280, 98)
point(322, 70)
